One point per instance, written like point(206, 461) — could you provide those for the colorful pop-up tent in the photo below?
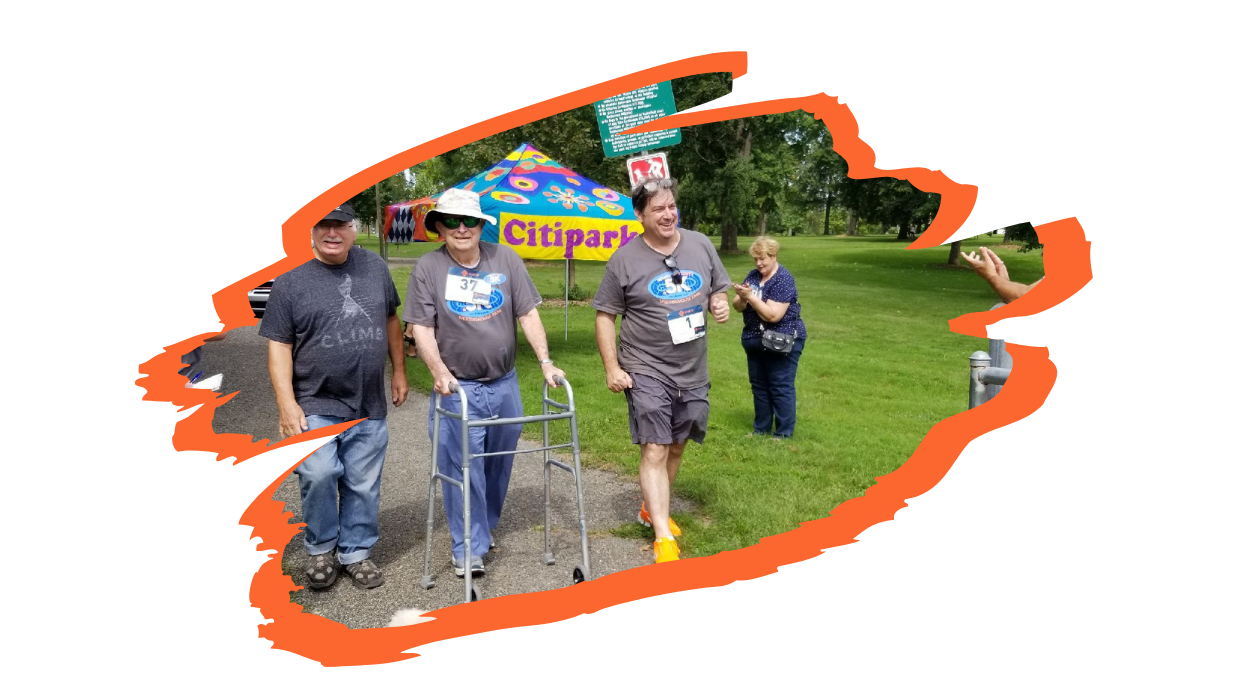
point(544, 212)
point(547, 212)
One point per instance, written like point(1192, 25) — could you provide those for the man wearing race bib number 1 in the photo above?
point(662, 284)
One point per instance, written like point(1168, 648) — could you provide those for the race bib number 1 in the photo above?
point(685, 325)
point(467, 286)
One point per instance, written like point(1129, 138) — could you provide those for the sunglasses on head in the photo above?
point(650, 186)
point(673, 268)
point(455, 221)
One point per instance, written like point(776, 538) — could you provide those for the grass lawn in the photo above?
point(880, 367)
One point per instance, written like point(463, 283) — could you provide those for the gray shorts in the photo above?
point(663, 415)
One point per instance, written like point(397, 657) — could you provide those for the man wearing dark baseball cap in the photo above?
point(331, 322)
point(345, 212)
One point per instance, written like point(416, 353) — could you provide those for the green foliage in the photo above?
point(774, 173)
point(1024, 234)
point(579, 293)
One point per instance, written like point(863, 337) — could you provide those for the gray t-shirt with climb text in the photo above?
point(334, 317)
point(473, 311)
point(663, 323)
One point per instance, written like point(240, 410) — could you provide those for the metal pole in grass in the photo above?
point(979, 362)
point(984, 376)
point(999, 359)
point(566, 298)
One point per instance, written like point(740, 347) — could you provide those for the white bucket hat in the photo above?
point(456, 203)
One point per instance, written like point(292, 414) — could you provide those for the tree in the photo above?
point(713, 164)
point(1023, 234)
point(393, 189)
point(823, 173)
point(890, 202)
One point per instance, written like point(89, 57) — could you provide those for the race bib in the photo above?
point(466, 286)
point(685, 325)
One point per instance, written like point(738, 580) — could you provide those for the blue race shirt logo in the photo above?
point(496, 278)
point(471, 310)
point(662, 286)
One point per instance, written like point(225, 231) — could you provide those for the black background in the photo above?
point(979, 550)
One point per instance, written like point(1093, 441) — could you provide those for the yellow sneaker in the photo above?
point(645, 519)
point(665, 550)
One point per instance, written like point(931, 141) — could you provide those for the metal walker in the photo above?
point(552, 410)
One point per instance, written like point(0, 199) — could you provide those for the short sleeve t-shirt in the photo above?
point(781, 288)
point(473, 311)
point(334, 317)
point(639, 287)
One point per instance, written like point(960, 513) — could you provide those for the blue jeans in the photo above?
point(773, 379)
point(350, 466)
point(488, 476)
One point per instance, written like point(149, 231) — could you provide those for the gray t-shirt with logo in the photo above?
point(663, 323)
point(334, 317)
point(473, 311)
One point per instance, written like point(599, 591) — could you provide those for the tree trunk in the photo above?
point(380, 220)
point(761, 220)
point(730, 230)
point(827, 218)
point(853, 224)
point(730, 238)
point(903, 232)
point(955, 252)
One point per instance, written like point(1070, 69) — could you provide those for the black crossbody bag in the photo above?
point(777, 342)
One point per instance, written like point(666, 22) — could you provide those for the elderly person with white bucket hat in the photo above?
point(463, 302)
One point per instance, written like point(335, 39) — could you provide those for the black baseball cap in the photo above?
point(345, 212)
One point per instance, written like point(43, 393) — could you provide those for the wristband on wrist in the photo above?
point(545, 362)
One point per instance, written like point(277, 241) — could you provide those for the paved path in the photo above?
point(514, 567)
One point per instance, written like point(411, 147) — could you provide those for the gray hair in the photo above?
point(646, 190)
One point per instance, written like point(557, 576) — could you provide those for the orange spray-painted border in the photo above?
point(333, 644)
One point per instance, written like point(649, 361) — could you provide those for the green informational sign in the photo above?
point(630, 109)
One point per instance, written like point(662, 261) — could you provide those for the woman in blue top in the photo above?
point(768, 300)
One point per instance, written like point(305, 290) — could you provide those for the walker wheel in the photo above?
point(580, 574)
point(549, 558)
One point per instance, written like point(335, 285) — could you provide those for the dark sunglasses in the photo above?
point(453, 222)
point(672, 264)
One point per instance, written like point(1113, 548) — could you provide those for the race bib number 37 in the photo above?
point(687, 324)
point(467, 286)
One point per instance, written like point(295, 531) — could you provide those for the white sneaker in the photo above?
point(475, 565)
point(213, 383)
